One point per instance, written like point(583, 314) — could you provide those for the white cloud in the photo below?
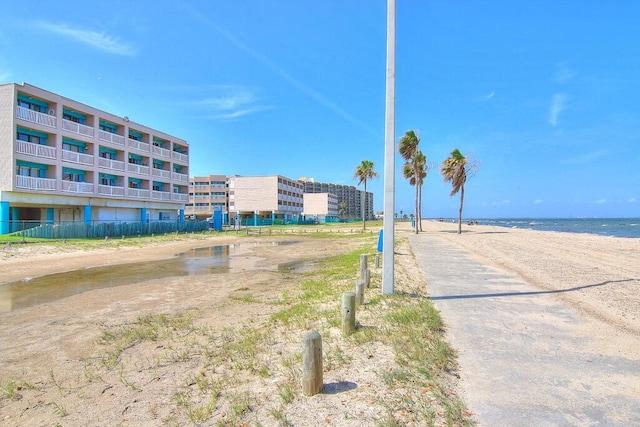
point(537, 202)
point(631, 200)
point(489, 96)
point(601, 201)
point(558, 102)
point(94, 39)
point(231, 102)
point(564, 73)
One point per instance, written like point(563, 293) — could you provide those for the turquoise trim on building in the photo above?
point(50, 215)
point(87, 215)
point(4, 217)
point(109, 125)
point(107, 150)
point(158, 162)
point(33, 133)
point(31, 100)
point(106, 175)
point(160, 141)
point(135, 156)
point(75, 171)
point(80, 116)
point(143, 215)
point(15, 218)
point(136, 134)
point(136, 180)
point(70, 141)
point(32, 165)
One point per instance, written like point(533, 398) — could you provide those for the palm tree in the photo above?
point(455, 170)
point(364, 172)
point(413, 168)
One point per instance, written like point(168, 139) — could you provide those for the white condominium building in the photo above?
point(65, 161)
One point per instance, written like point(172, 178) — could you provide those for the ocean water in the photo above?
point(619, 227)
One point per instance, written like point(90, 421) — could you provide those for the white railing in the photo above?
point(110, 137)
point(176, 176)
point(36, 117)
point(138, 145)
point(72, 156)
point(180, 197)
point(160, 195)
point(161, 151)
point(78, 128)
point(110, 190)
point(180, 156)
point(36, 150)
point(32, 183)
point(77, 187)
point(110, 164)
point(139, 169)
point(201, 197)
point(161, 173)
point(200, 187)
point(138, 193)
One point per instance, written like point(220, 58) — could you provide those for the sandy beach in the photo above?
point(58, 337)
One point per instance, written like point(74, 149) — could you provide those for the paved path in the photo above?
point(525, 359)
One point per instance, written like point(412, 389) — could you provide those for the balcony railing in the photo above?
point(161, 151)
point(160, 195)
point(176, 176)
point(35, 117)
point(110, 137)
point(77, 187)
point(138, 145)
point(78, 128)
point(138, 193)
point(161, 173)
point(72, 156)
point(139, 169)
point(180, 197)
point(32, 183)
point(110, 164)
point(180, 156)
point(36, 150)
point(110, 190)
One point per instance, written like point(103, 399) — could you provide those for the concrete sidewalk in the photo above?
point(526, 357)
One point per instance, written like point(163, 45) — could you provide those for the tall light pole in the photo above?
point(389, 154)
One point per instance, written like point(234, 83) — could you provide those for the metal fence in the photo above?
point(78, 230)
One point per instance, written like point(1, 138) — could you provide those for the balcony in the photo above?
point(110, 190)
point(77, 187)
point(36, 117)
point(139, 169)
point(163, 152)
point(180, 157)
point(180, 197)
point(138, 193)
point(110, 137)
point(161, 173)
point(110, 164)
point(176, 176)
point(32, 183)
point(138, 145)
point(161, 195)
point(35, 150)
point(77, 128)
point(74, 157)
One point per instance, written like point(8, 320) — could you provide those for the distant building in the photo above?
point(66, 161)
point(320, 206)
point(207, 194)
point(349, 197)
point(271, 199)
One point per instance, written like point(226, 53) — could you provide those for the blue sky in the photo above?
point(545, 94)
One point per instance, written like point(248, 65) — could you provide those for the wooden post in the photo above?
point(360, 284)
point(367, 278)
point(348, 313)
point(363, 265)
point(312, 364)
point(377, 260)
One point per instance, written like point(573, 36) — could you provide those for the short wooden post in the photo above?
point(360, 284)
point(363, 265)
point(348, 313)
point(312, 364)
point(367, 278)
point(377, 260)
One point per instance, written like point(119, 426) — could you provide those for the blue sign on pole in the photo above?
point(380, 242)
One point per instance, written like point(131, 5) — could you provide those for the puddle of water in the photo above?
point(199, 261)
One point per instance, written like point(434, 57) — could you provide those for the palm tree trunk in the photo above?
point(364, 202)
point(420, 204)
point(460, 211)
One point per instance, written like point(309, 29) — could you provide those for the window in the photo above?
point(29, 138)
point(108, 155)
point(134, 184)
point(157, 187)
point(135, 161)
point(72, 147)
point(71, 176)
point(30, 105)
point(107, 128)
point(71, 118)
point(28, 171)
point(104, 180)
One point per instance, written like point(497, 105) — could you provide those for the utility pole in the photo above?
point(388, 238)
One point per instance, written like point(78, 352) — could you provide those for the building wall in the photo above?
point(265, 194)
point(76, 161)
point(207, 194)
point(349, 194)
point(320, 204)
